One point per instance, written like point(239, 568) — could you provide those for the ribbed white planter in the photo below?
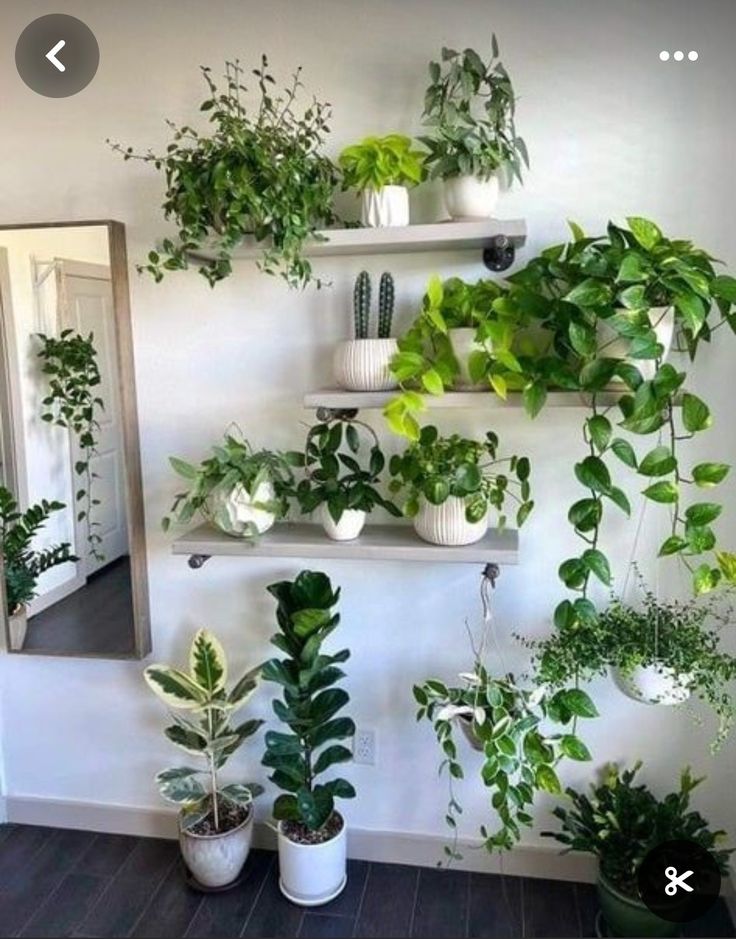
point(17, 628)
point(617, 347)
point(467, 197)
point(233, 509)
point(653, 684)
point(462, 340)
point(217, 860)
point(312, 874)
point(385, 208)
point(364, 364)
point(349, 527)
point(446, 524)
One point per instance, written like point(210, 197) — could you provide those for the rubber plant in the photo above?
point(259, 171)
point(73, 402)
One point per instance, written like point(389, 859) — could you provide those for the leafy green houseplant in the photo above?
point(620, 823)
point(363, 363)
point(381, 169)
point(312, 834)
point(469, 113)
point(22, 564)
point(336, 482)
point(259, 172)
point(451, 483)
point(210, 812)
point(240, 490)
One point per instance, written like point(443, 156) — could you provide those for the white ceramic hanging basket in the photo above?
point(653, 684)
point(662, 320)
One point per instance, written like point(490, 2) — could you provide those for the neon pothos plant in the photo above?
point(310, 704)
point(376, 162)
point(72, 402)
point(208, 732)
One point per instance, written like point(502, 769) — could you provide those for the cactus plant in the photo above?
point(385, 305)
point(362, 304)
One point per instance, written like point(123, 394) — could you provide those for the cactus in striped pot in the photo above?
point(385, 305)
point(362, 304)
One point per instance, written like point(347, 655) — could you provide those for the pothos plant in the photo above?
point(376, 162)
point(259, 171)
point(73, 402)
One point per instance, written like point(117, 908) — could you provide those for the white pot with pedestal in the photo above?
point(613, 346)
point(348, 528)
point(462, 340)
point(17, 628)
point(312, 874)
point(364, 364)
point(216, 860)
point(447, 524)
point(653, 684)
point(385, 208)
point(470, 198)
point(240, 513)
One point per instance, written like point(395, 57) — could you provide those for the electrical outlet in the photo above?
point(364, 747)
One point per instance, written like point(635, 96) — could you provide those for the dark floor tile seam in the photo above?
point(578, 908)
point(359, 908)
point(414, 902)
point(50, 832)
point(153, 897)
point(257, 898)
point(466, 931)
point(522, 905)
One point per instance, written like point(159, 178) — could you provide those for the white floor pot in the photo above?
point(467, 197)
point(17, 629)
point(364, 364)
point(234, 509)
point(653, 684)
point(385, 208)
point(447, 525)
point(217, 860)
point(617, 347)
point(462, 340)
point(349, 527)
point(312, 874)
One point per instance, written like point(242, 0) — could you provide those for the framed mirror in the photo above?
point(74, 578)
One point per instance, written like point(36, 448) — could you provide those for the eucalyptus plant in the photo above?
point(259, 171)
point(307, 675)
point(207, 732)
point(376, 162)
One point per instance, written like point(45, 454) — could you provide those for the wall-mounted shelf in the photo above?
point(494, 236)
point(376, 543)
point(338, 400)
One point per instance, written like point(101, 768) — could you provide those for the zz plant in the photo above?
point(309, 708)
point(205, 729)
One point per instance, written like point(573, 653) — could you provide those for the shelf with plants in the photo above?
point(337, 399)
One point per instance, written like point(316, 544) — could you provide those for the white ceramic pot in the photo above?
point(446, 524)
point(349, 527)
point(364, 364)
point(617, 347)
point(467, 197)
point(653, 684)
point(466, 725)
point(234, 509)
point(312, 874)
point(385, 208)
point(217, 860)
point(462, 340)
point(17, 628)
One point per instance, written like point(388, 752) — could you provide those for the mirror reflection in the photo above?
point(74, 569)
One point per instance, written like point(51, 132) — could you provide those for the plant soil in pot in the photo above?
point(216, 858)
point(347, 528)
point(653, 684)
point(447, 524)
point(468, 198)
point(626, 916)
point(312, 864)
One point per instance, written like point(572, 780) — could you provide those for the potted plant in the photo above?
point(240, 490)
point(469, 110)
point(620, 824)
point(336, 483)
point(363, 363)
point(215, 820)
point(311, 832)
point(381, 168)
point(22, 565)
point(451, 483)
point(259, 172)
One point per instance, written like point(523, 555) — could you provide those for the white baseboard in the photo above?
point(423, 850)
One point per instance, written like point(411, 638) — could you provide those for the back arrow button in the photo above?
point(51, 55)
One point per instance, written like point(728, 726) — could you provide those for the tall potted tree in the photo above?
point(311, 832)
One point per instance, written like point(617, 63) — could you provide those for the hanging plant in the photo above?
point(70, 365)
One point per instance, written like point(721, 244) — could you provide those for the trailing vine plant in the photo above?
point(70, 366)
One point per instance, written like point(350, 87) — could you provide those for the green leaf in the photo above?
point(207, 662)
point(724, 288)
point(702, 513)
point(588, 293)
point(624, 451)
point(183, 469)
point(695, 414)
point(597, 563)
point(693, 311)
point(593, 473)
point(619, 497)
point(174, 688)
point(547, 781)
point(180, 786)
point(585, 515)
point(646, 233)
point(600, 430)
point(672, 545)
point(658, 462)
point(705, 579)
point(574, 748)
point(727, 564)
point(573, 573)
point(241, 793)
point(433, 382)
point(579, 703)
point(534, 396)
point(663, 491)
point(710, 474)
point(331, 755)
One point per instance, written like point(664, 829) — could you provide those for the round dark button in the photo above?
point(679, 881)
point(57, 55)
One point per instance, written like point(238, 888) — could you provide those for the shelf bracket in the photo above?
point(499, 255)
point(325, 415)
point(197, 560)
point(492, 572)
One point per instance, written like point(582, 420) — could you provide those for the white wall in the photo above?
point(611, 130)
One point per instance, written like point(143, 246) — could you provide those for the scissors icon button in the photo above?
point(676, 880)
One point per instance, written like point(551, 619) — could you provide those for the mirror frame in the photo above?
point(131, 444)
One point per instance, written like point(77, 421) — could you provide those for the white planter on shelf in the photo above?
point(385, 208)
point(233, 509)
point(653, 684)
point(462, 340)
point(217, 860)
point(312, 874)
point(446, 524)
point(468, 197)
point(364, 364)
point(617, 347)
point(348, 528)
point(17, 628)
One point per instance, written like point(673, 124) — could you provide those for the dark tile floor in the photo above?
point(55, 882)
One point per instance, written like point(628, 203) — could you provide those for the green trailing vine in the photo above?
point(70, 366)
